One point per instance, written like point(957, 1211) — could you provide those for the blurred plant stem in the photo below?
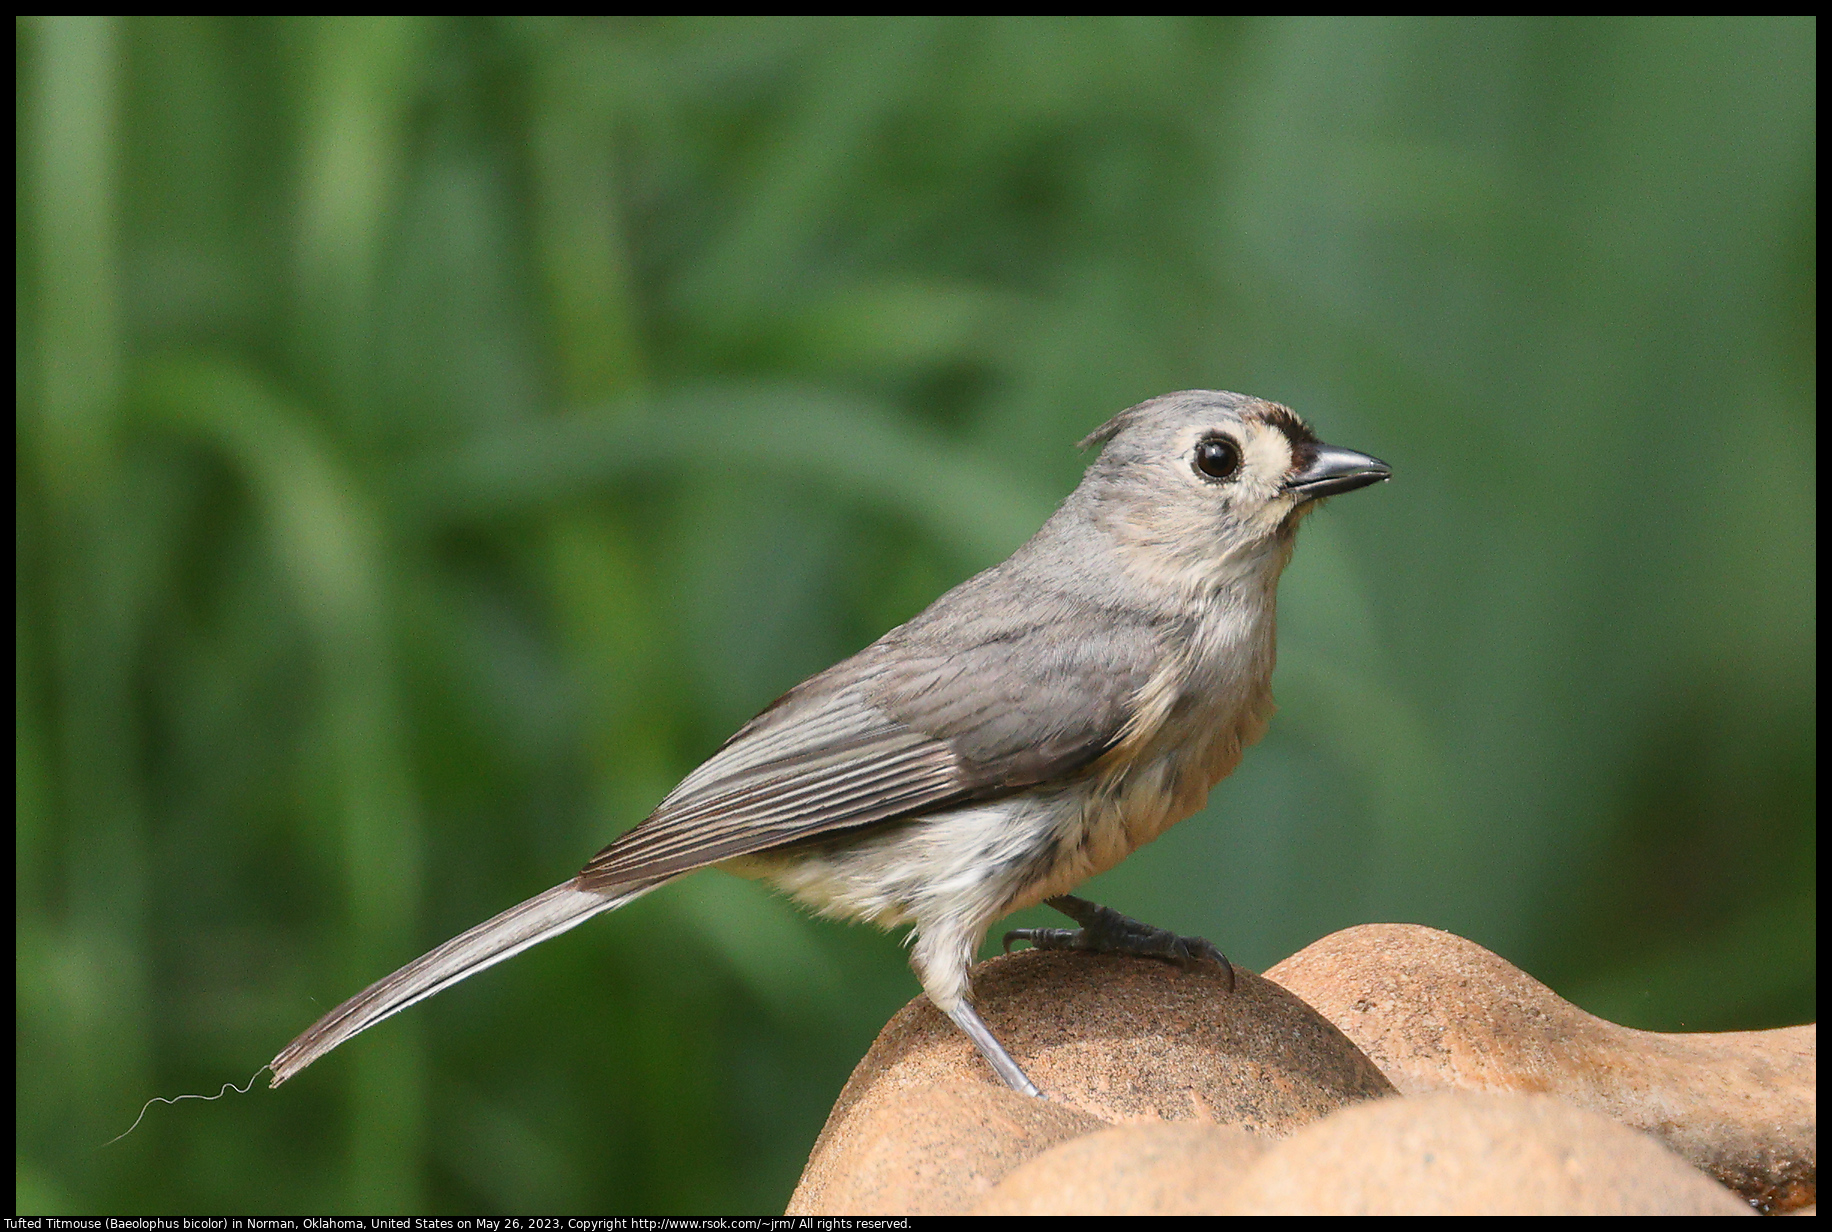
point(358, 93)
point(600, 374)
point(96, 1035)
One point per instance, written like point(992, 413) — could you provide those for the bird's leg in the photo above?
point(941, 954)
point(968, 1020)
point(1105, 931)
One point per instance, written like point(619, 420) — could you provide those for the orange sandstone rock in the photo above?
point(1108, 1039)
point(1148, 1168)
point(1169, 1094)
point(1437, 1012)
point(934, 1151)
point(1463, 1153)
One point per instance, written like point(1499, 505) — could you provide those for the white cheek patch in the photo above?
point(1267, 458)
point(1191, 532)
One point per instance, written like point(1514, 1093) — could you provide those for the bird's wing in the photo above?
point(913, 723)
point(968, 701)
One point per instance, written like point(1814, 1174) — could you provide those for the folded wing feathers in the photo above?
point(876, 781)
point(845, 723)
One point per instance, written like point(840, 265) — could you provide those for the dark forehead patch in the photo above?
point(1303, 441)
point(1286, 420)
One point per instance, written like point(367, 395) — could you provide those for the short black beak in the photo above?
point(1336, 470)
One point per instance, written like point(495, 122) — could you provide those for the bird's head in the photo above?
point(1202, 486)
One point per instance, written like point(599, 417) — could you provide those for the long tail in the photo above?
point(525, 924)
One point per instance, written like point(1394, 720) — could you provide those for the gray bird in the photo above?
point(1028, 730)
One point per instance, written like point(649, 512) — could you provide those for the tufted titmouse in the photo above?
point(1028, 730)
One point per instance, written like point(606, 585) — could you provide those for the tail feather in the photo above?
point(505, 936)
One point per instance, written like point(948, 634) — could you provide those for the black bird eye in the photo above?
point(1218, 458)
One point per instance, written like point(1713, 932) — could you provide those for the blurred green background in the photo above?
point(436, 435)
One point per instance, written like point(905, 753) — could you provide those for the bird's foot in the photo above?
point(1105, 931)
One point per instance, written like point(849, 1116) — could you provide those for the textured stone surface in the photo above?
point(1437, 1012)
point(1464, 1153)
point(936, 1151)
point(1171, 1095)
point(1161, 1168)
point(1111, 1039)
